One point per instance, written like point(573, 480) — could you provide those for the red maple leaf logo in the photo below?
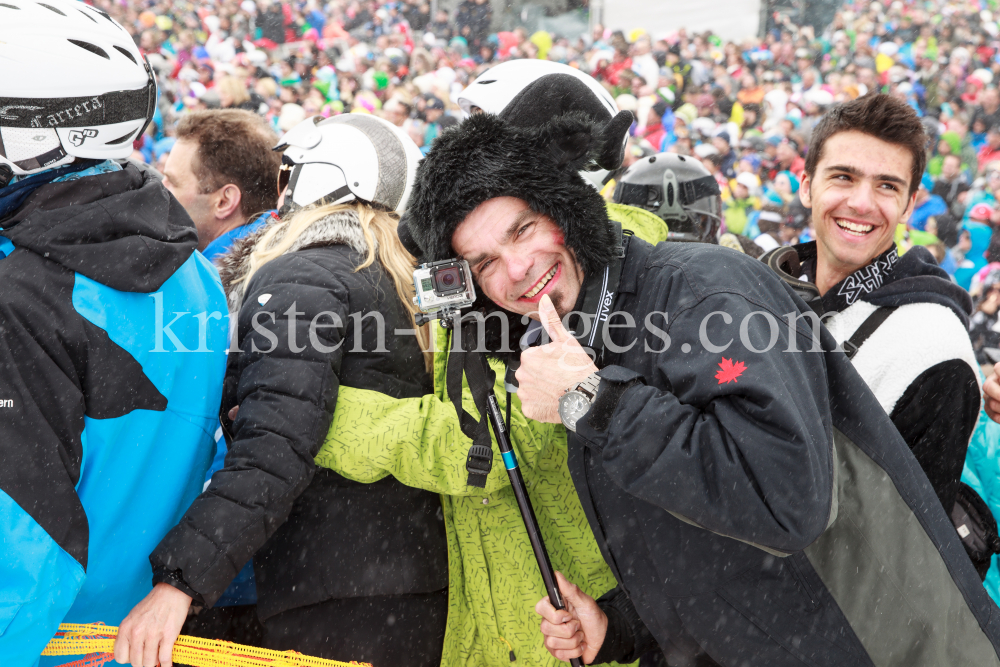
point(728, 371)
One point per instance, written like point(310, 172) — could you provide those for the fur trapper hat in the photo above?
point(487, 157)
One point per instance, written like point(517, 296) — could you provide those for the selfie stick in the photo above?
point(516, 481)
point(524, 504)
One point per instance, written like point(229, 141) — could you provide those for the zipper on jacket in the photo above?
point(513, 658)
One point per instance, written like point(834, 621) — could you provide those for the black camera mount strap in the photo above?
point(462, 359)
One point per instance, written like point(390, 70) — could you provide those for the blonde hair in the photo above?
point(233, 87)
point(379, 230)
point(266, 87)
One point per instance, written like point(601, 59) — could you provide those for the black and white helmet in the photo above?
point(679, 190)
point(495, 89)
point(72, 85)
point(530, 92)
point(346, 158)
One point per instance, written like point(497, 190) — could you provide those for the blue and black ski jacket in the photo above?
point(113, 333)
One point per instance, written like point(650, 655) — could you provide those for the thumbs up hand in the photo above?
point(548, 371)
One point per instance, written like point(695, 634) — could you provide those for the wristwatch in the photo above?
point(576, 402)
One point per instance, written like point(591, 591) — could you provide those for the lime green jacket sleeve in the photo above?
point(418, 440)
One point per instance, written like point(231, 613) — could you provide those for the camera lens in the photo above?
point(448, 280)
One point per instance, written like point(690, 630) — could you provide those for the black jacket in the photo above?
point(476, 18)
point(751, 496)
point(314, 535)
point(948, 223)
point(272, 24)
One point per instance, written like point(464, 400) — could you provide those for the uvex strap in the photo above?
point(653, 195)
point(461, 360)
point(867, 328)
point(590, 323)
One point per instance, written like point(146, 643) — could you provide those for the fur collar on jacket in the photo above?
point(340, 228)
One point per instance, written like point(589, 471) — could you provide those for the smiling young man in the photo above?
point(861, 181)
point(751, 497)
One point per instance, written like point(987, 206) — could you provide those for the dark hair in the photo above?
point(881, 116)
point(234, 146)
point(715, 159)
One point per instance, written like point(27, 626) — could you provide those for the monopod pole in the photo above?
point(524, 504)
point(452, 319)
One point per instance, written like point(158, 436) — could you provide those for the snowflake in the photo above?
point(728, 371)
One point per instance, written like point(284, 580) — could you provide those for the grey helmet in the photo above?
point(679, 190)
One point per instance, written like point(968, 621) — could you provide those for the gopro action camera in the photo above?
point(443, 285)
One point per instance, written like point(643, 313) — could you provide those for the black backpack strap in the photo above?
point(867, 328)
point(473, 366)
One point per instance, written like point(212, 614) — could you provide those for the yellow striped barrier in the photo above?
point(97, 642)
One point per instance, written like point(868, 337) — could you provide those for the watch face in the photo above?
point(572, 406)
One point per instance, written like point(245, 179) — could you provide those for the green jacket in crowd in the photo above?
point(494, 581)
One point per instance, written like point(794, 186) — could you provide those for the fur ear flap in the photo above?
point(570, 148)
point(570, 140)
point(404, 230)
point(611, 151)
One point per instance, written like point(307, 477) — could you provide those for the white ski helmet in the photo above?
point(348, 157)
point(497, 87)
point(72, 85)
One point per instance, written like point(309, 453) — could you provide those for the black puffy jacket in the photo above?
point(314, 535)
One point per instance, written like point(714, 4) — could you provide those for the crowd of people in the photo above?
point(821, 488)
point(745, 108)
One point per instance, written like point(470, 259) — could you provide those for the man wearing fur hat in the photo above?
point(748, 491)
point(493, 584)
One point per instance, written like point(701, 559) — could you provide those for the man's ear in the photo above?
point(805, 196)
point(909, 209)
point(228, 202)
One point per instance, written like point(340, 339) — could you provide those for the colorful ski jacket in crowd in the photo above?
point(113, 333)
point(982, 473)
point(494, 581)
